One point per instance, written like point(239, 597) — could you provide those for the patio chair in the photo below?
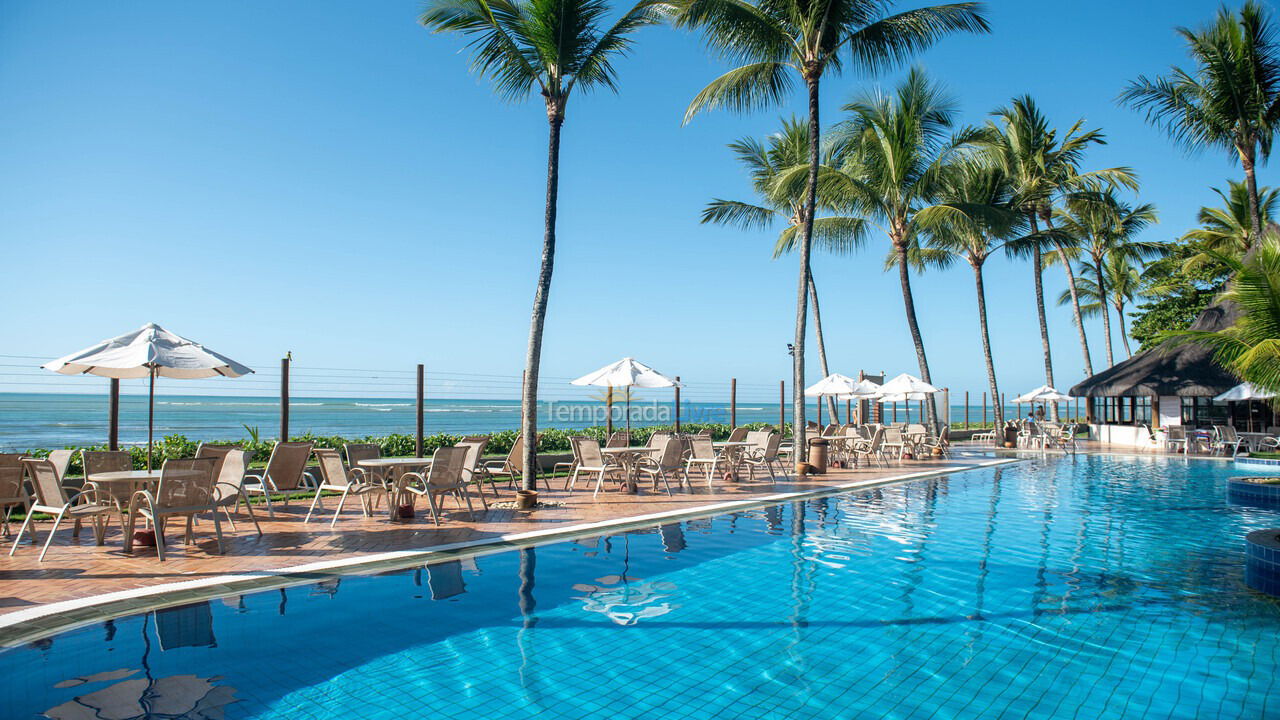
point(658, 439)
point(738, 434)
point(1031, 435)
point(590, 460)
point(666, 462)
point(52, 498)
point(764, 455)
point(869, 449)
point(13, 490)
point(185, 489)
point(941, 442)
point(61, 460)
point(620, 438)
point(512, 468)
point(443, 478)
point(337, 478)
point(228, 487)
point(1225, 436)
point(286, 473)
point(100, 461)
point(894, 442)
point(471, 467)
point(702, 453)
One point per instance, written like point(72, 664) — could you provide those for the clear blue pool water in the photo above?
point(1083, 588)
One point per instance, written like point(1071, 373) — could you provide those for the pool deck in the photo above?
point(80, 582)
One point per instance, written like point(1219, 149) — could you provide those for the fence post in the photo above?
point(677, 404)
point(113, 413)
point(733, 402)
point(984, 409)
point(966, 409)
point(284, 396)
point(848, 410)
point(418, 441)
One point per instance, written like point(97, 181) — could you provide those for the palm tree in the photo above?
point(1102, 226)
point(1249, 348)
point(775, 41)
point(1123, 285)
point(768, 162)
point(1043, 169)
point(1229, 100)
point(973, 221)
point(552, 46)
point(1227, 229)
point(892, 154)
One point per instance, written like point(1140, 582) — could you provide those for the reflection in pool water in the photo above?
point(1081, 587)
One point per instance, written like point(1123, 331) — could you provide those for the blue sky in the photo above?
point(328, 178)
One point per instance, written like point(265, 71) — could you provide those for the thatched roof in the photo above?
point(1185, 370)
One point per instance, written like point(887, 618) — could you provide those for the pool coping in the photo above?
point(32, 623)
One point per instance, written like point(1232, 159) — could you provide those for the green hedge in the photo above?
point(552, 440)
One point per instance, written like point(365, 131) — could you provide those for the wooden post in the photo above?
point(895, 412)
point(608, 399)
point(677, 403)
point(113, 415)
point(733, 402)
point(966, 409)
point(782, 406)
point(418, 441)
point(820, 423)
point(848, 410)
point(284, 398)
point(984, 410)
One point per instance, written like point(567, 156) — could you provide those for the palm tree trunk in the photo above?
point(801, 452)
point(986, 341)
point(1036, 262)
point(1251, 185)
point(822, 345)
point(1102, 305)
point(533, 360)
point(909, 304)
point(1075, 302)
point(1124, 332)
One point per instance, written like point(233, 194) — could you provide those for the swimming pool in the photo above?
point(1081, 587)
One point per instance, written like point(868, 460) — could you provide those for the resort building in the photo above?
point(1167, 385)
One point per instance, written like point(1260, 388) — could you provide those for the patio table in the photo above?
point(1252, 439)
point(627, 457)
point(133, 480)
point(731, 450)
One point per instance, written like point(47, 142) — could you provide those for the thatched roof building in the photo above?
point(1185, 370)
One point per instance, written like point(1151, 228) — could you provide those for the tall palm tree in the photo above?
point(1123, 285)
point(1230, 100)
point(973, 220)
point(1227, 229)
point(1042, 169)
point(552, 46)
point(774, 42)
point(769, 162)
point(1250, 348)
point(892, 153)
point(1102, 226)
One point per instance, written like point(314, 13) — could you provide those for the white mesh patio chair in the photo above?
point(185, 490)
point(61, 460)
point(869, 450)
point(1225, 437)
point(702, 454)
point(443, 478)
point(51, 497)
point(471, 466)
point(619, 439)
point(228, 487)
point(511, 468)
point(764, 455)
point(286, 473)
point(894, 443)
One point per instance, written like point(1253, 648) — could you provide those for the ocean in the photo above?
point(51, 420)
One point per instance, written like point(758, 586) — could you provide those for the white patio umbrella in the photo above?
point(906, 383)
point(1043, 394)
point(1246, 391)
point(841, 387)
point(627, 372)
point(148, 352)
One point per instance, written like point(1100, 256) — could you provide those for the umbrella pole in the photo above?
point(151, 414)
point(113, 412)
point(628, 411)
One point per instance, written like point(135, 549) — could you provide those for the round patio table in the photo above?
point(628, 457)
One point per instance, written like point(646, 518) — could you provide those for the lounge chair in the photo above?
point(590, 460)
point(660, 464)
point(444, 477)
point(52, 498)
point(286, 473)
point(185, 489)
point(337, 478)
point(13, 491)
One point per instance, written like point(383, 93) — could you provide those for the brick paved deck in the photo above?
point(77, 573)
